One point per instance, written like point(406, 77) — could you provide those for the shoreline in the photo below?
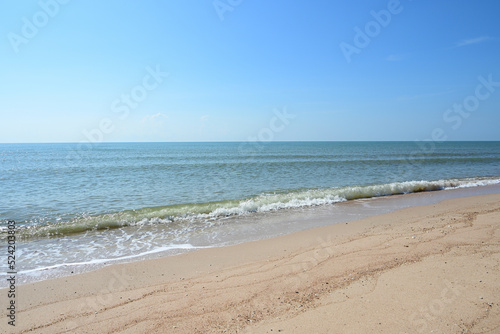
point(267, 225)
point(438, 271)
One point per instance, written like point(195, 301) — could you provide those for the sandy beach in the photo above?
point(424, 269)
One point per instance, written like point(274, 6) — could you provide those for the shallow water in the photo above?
point(77, 210)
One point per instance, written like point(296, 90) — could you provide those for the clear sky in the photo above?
point(340, 69)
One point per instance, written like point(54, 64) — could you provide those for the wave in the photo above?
point(187, 213)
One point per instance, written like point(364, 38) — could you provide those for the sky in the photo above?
point(237, 70)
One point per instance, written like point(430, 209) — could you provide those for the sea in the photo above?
point(78, 207)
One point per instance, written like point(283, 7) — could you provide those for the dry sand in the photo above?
point(430, 269)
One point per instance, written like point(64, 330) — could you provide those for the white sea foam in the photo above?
point(49, 257)
point(110, 260)
point(176, 214)
point(273, 202)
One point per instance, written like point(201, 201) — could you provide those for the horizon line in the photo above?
point(247, 141)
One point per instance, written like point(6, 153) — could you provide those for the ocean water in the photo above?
point(79, 205)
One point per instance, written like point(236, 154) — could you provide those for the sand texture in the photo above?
point(425, 269)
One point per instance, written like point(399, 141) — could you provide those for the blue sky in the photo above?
point(420, 70)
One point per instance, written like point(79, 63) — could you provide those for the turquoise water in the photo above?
point(88, 198)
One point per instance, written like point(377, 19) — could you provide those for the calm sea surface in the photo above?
point(86, 204)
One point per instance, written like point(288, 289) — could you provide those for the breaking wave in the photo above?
point(182, 213)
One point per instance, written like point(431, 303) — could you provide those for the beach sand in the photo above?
point(424, 269)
